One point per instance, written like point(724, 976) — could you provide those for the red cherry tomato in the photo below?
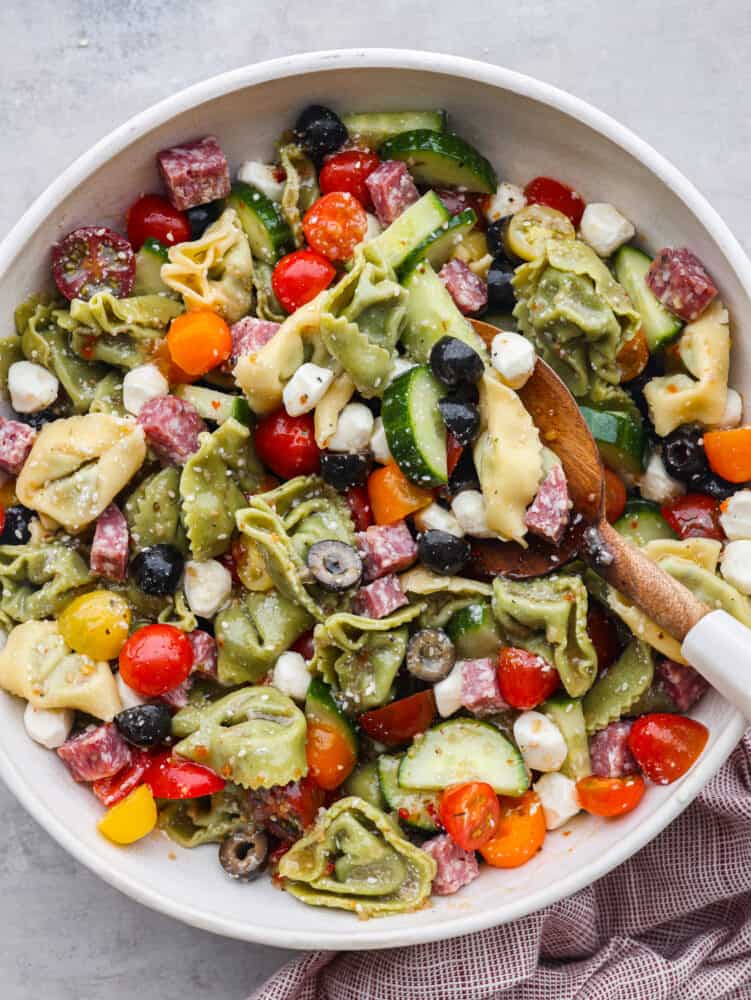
point(359, 507)
point(288, 444)
point(665, 746)
point(299, 277)
point(286, 811)
point(610, 796)
point(155, 659)
point(603, 634)
point(615, 496)
point(112, 790)
point(526, 679)
point(471, 814)
point(153, 216)
point(304, 645)
point(335, 224)
point(93, 259)
point(171, 777)
point(555, 194)
point(453, 452)
point(399, 721)
point(2, 519)
point(694, 516)
point(347, 171)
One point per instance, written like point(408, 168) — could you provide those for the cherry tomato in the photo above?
point(171, 777)
point(453, 452)
point(400, 720)
point(96, 624)
point(603, 634)
point(286, 811)
point(175, 375)
point(347, 171)
point(555, 194)
point(198, 341)
point(359, 507)
point(2, 520)
point(610, 796)
point(521, 832)
point(248, 565)
point(331, 755)
point(615, 496)
point(665, 746)
point(112, 790)
point(526, 679)
point(633, 356)
point(153, 216)
point(155, 659)
point(288, 444)
point(393, 496)
point(304, 645)
point(694, 515)
point(470, 813)
point(335, 224)
point(299, 277)
point(93, 259)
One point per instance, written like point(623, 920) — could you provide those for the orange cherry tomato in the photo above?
point(335, 224)
point(199, 341)
point(521, 832)
point(729, 453)
point(331, 756)
point(665, 746)
point(400, 720)
point(633, 356)
point(610, 796)
point(175, 375)
point(393, 496)
point(470, 813)
point(615, 496)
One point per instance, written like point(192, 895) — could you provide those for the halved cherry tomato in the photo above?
point(665, 746)
point(453, 452)
point(304, 645)
point(729, 453)
point(521, 832)
point(93, 259)
point(299, 277)
point(694, 515)
point(633, 356)
point(175, 375)
point(610, 796)
point(526, 679)
point(400, 720)
point(288, 444)
point(359, 507)
point(603, 634)
point(335, 224)
point(331, 756)
point(155, 659)
point(2, 520)
point(198, 341)
point(287, 811)
point(170, 777)
point(555, 194)
point(112, 790)
point(393, 496)
point(615, 496)
point(153, 216)
point(348, 171)
point(470, 813)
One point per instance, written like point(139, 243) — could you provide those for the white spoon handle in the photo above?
point(720, 649)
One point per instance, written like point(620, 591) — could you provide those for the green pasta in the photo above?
point(620, 687)
point(10, 352)
point(208, 820)
point(441, 595)
point(153, 511)
point(267, 304)
point(38, 581)
point(108, 396)
point(300, 187)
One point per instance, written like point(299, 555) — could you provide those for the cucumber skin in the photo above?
point(473, 632)
point(660, 326)
point(432, 314)
point(645, 514)
point(247, 200)
point(621, 455)
point(463, 222)
point(374, 128)
point(568, 715)
point(455, 162)
point(411, 229)
point(397, 799)
point(403, 439)
point(321, 707)
point(365, 784)
point(149, 260)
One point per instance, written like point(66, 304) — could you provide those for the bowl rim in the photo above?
point(376, 934)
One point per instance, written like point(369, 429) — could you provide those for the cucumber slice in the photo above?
point(462, 750)
point(321, 708)
point(415, 431)
point(149, 260)
point(432, 314)
point(660, 326)
point(620, 438)
point(568, 715)
point(268, 232)
point(411, 229)
point(528, 231)
point(372, 128)
point(215, 405)
point(439, 246)
point(416, 809)
point(474, 631)
point(642, 522)
point(364, 784)
point(441, 159)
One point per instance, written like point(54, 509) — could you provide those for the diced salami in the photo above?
point(109, 549)
point(481, 689)
point(204, 652)
point(392, 190)
point(194, 173)
point(98, 752)
point(16, 441)
point(548, 515)
point(456, 867)
point(386, 548)
point(457, 201)
point(177, 697)
point(249, 335)
point(609, 752)
point(684, 685)
point(680, 281)
point(467, 289)
point(380, 598)
point(112, 790)
point(171, 426)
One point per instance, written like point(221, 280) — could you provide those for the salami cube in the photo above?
point(456, 867)
point(171, 426)
point(609, 752)
point(249, 335)
point(380, 598)
point(548, 515)
point(386, 548)
point(177, 697)
point(680, 281)
point(109, 549)
point(195, 173)
point(204, 653)
point(16, 441)
point(96, 753)
point(467, 289)
point(684, 685)
point(392, 190)
point(112, 790)
point(481, 689)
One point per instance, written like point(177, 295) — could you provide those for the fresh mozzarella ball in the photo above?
point(306, 388)
point(513, 358)
point(735, 565)
point(733, 413)
point(374, 228)
point(736, 517)
point(31, 387)
point(604, 228)
point(656, 484)
point(559, 799)
point(50, 727)
point(437, 518)
point(378, 443)
point(507, 200)
point(448, 692)
point(128, 697)
point(142, 384)
point(540, 741)
point(263, 177)
point(291, 676)
point(353, 430)
point(207, 585)
point(469, 510)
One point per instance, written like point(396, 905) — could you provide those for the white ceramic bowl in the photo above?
point(526, 128)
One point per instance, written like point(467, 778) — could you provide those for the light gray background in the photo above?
point(72, 70)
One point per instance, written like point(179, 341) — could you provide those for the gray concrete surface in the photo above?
point(72, 70)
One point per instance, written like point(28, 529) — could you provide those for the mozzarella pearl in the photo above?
point(736, 517)
point(469, 511)
point(559, 799)
point(207, 585)
point(306, 388)
point(128, 697)
point(448, 692)
point(142, 384)
point(50, 727)
point(507, 200)
point(437, 518)
point(540, 742)
point(291, 676)
point(513, 358)
point(656, 484)
point(353, 429)
point(604, 228)
point(378, 443)
point(735, 565)
point(262, 176)
point(733, 413)
point(31, 387)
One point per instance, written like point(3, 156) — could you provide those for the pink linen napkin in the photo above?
point(674, 922)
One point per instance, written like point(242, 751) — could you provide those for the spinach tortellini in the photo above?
point(300, 187)
point(441, 595)
point(208, 820)
point(619, 688)
point(38, 581)
point(153, 511)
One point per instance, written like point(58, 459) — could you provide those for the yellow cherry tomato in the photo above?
point(96, 624)
point(131, 819)
point(250, 565)
point(199, 341)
